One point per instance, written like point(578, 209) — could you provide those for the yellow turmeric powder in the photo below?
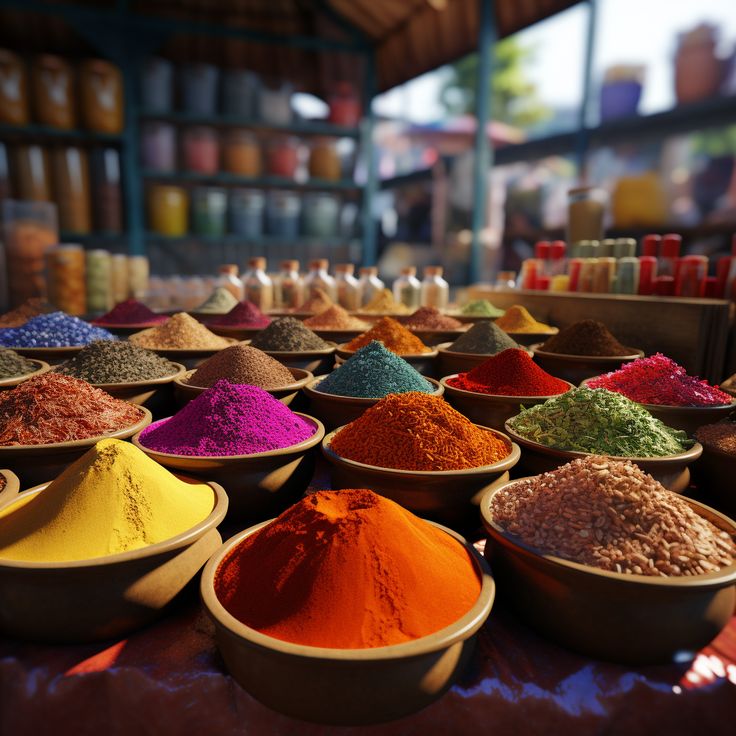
point(518, 319)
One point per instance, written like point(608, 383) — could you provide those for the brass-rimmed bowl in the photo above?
point(314, 361)
point(185, 391)
point(52, 356)
point(671, 471)
point(447, 496)
point(525, 339)
point(37, 464)
point(258, 485)
point(634, 619)
point(125, 330)
point(103, 597)
point(141, 392)
point(424, 363)
point(237, 332)
point(449, 361)
point(191, 357)
point(434, 338)
point(349, 687)
point(41, 368)
point(576, 368)
point(338, 336)
point(335, 410)
point(489, 410)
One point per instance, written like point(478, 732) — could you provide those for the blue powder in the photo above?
point(55, 330)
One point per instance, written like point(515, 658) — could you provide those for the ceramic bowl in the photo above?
point(105, 597)
point(185, 392)
point(671, 471)
point(260, 485)
point(424, 363)
point(125, 330)
point(349, 687)
point(450, 361)
point(141, 392)
point(489, 410)
point(714, 473)
point(237, 333)
point(632, 619)
point(447, 496)
point(8, 383)
point(52, 356)
point(335, 410)
point(338, 336)
point(41, 463)
point(314, 361)
point(576, 368)
point(190, 357)
point(530, 338)
point(12, 483)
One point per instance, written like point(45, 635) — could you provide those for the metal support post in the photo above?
point(371, 184)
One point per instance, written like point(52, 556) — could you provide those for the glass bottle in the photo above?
point(288, 287)
point(258, 285)
point(348, 287)
point(319, 278)
point(230, 280)
point(435, 290)
point(370, 284)
point(407, 288)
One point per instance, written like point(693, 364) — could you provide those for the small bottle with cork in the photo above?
point(288, 287)
point(435, 290)
point(319, 278)
point(228, 278)
point(258, 285)
point(407, 288)
point(348, 287)
point(370, 284)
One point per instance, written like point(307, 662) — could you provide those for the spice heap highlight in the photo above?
point(288, 335)
point(242, 364)
point(393, 335)
point(430, 318)
point(483, 338)
point(335, 318)
point(481, 308)
point(383, 302)
point(180, 332)
point(518, 319)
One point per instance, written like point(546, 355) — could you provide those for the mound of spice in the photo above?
point(220, 301)
point(113, 499)
point(346, 579)
point(481, 308)
point(29, 309)
point(117, 362)
point(416, 431)
point(430, 318)
point(13, 365)
point(242, 364)
point(228, 419)
point(55, 408)
point(720, 436)
point(599, 422)
point(54, 330)
point(335, 318)
point(483, 338)
point(659, 380)
point(611, 515)
point(288, 335)
point(372, 373)
point(243, 314)
point(587, 337)
point(518, 319)
point(510, 373)
point(130, 312)
point(393, 335)
point(383, 302)
point(180, 332)
point(317, 302)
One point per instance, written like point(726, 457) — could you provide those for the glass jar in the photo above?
point(240, 89)
point(106, 190)
point(52, 87)
point(245, 212)
point(407, 288)
point(586, 207)
point(370, 284)
point(120, 278)
point(198, 88)
point(282, 157)
point(65, 279)
point(319, 278)
point(344, 105)
point(321, 215)
point(5, 188)
point(139, 271)
point(201, 149)
point(288, 286)
point(99, 281)
point(32, 178)
point(13, 89)
point(168, 210)
point(347, 286)
point(324, 160)
point(228, 279)
point(435, 290)
point(71, 186)
point(282, 214)
point(209, 209)
point(157, 85)
point(101, 96)
point(258, 285)
point(158, 146)
point(275, 103)
point(241, 153)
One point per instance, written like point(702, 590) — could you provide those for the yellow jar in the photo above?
point(168, 210)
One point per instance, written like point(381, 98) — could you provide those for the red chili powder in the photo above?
point(243, 314)
point(130, 312)
point(510, 373)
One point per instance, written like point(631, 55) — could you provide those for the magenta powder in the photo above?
point(243, 314)
point(228, 419)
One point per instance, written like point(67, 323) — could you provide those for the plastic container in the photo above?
point(282, 214)
point(158, 146)
point(32, 179)
point(99, 281)
point(407, 288)
point(324, 160)
point(240, 90)
point(275, 104)
point(282, 157)
point(157, 85)
point(209, 210)
point(107, 197)
point(321, 215)
point(344, 105)
point(101, 96)
point(288, 286)
point(585, 212)
point(66, 279)
point(14, 108)
point(435, 290)
point(348, 287)
point(258, 286)
point(71, 186)
point(319, 278)
point(198, 88)
point(201, 149)
point(369, 283)
point(52, 88)
point(228, 278)
point(245, 212)
point(168, 210)
point(241, 153)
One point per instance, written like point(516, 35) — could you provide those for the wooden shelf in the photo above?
point(262, 182)
point(47, 132)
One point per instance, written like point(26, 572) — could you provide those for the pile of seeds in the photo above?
point(720, 436)
point(105, 362)
point(180, 332)
point(430, 318)
point(130, 312)
point(29, 309)
point(383, 302)
point(288, 335)
point(482, 308)
point(393, 335)
point(242, 364)
point(611, 515)
point(335, 318)
point(372, 373)
point(243, 314)
point(220, 301)
point(483, 338)
point(317, 302)
point(13, 365)
point(518, 319)
point(55, 330)
point(587, 337)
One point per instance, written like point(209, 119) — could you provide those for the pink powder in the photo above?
point(228, 419)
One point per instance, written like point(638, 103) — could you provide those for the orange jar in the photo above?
point(65, 276)
point(324, 161)
point(31, 173)
point(101, 93)
point(53, 92)
point(241, 153)
point(13, 89)
point(70, 168)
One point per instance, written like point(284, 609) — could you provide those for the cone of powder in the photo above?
point(180, 332)
point(393, 335)
point(288, 335)
point(242, 364)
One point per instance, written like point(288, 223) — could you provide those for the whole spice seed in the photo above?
point(518, 319)
point(130, 312)
point(372, 373)
point(55, 408)
point(510, 373)
point(430, 318)
point(393, 335)
point(20, 315)
point(334, 571)
point(483, 338)
point(180, 332)
point(220, 301)
point(243, 314)
point(228, 419)
point(720, 436)
point(335, 318)
point(317, 302)
point(242, 364)
point(482, 308)
point(288, 335)
point(600, 422)
point(611, 515)
point(659, 380)
point(116, 362)
point(416, 431)
point(383, 302)
point(53, 330)
point(13, 365)
point(587, 337)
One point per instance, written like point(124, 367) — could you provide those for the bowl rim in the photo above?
point(444, 347)
point(688, 456)
point(39, 350)
point(138, 426)
point(298, 353)
point(180, 380)
point(457, 631)
point(587, 358)
point(129, 326)
point(304, 445)
point(237, 328)
point(12, 483)
point(431, 353)
point(134, 384)
point(500, 466)
point(189, 351)
point(15, 380)
point(475, 394)
point(552, 331)
point(721, 578)
point(212, 520)
point(310, 390)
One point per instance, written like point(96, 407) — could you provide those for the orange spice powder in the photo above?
point(394, 336)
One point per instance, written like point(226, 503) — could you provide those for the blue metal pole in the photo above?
point(483, 160)
point(583, 135)
point(371, 184)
